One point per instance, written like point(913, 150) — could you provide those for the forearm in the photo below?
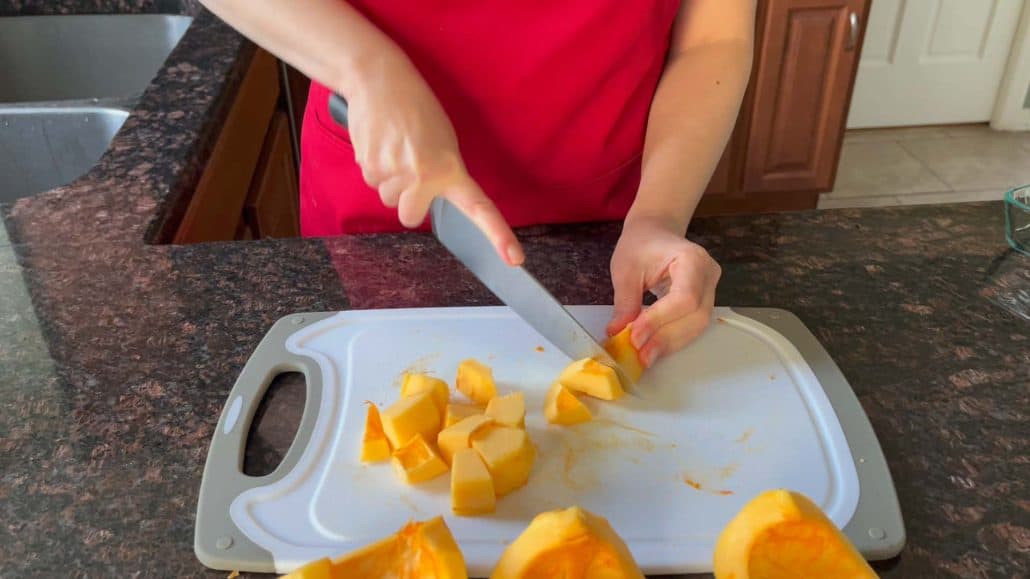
point(328, 40)
point(692, 117)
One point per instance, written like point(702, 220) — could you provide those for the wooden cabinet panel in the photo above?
point(806, 68)
point(214, 211)
point(272, 205)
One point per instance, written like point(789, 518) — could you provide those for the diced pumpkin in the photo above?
point(459, 436)
point(783, 535)
point(420, 550)
point(592, 378)
point(374, 445)
point(562, 407)
point(509, 409)
point(455, 412)
point(409, 416)
point(417, 461)
point(567, 544)
point(620, 347)
point(476, 380)
point(508, 453)
point(472, 489)
point(419, 383)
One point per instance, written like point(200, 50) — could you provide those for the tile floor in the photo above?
point(917, 165)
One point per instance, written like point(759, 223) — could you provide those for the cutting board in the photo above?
point(755, 403)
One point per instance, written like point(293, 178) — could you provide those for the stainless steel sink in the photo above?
point(43, 148)
point(49, 58)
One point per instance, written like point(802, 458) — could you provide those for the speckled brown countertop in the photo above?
point(116, 355)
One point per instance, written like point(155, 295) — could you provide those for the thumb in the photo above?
point(628, 285)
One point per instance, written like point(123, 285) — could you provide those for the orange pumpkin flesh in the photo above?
point(784, 535)
point(621, 348)
point(420, 550)
point(374, 445)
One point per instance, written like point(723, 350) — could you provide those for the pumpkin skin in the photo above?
point(567, 544)
point(784, 535)
point(420, 550)
point(621, 348)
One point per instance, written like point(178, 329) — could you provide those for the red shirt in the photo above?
point(549, 100)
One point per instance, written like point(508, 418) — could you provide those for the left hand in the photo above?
point(654, 255)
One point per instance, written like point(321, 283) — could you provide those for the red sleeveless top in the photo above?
point(549, 100)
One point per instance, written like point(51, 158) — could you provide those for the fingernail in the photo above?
point(515, 255)
point(652, 356)
point(639, 335)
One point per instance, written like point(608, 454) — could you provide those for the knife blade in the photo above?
point(513, 285)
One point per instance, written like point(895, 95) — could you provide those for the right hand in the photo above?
point(408, 151)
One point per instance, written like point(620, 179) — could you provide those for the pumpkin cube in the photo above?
point(592, 378)
point(570, 543)
point(472, 489)
point(409, 416)
point(454, 438)
point(508, 454)
point(781, 534)
point(562, 407)
point(456, 412)
point(620, 347)
point(417, 461)
point(509, 409)
point(419, 383)
point(476, 380)
point(374, 445)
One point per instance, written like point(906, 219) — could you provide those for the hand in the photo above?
point(408, 151)
point(654, 255)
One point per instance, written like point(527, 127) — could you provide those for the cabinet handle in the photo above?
point(852, 31)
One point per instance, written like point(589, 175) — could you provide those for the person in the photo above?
point(523, 113)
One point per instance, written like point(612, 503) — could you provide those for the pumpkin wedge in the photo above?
point(562, 407)
point(784, 535)
point(420, 550)
point(621, 348)
point(567, 544)
point(374, 445)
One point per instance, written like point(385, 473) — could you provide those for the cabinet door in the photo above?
point(272, 204)
point(806, 68)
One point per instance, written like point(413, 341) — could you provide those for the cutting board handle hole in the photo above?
point(275, 424)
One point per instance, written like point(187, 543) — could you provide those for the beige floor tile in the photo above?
point(827, 202)
point(975, 163)
point(882, 168)
point(895, 134)
point(950, 197)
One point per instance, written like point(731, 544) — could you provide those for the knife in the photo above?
point(513, 285)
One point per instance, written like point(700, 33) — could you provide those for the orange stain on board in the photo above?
point(539, 348)
point(692, 483)
point(746, 436)
point(725, 492)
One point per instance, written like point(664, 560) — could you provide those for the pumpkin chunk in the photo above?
point(455, 412)
point(454, 438)
point(409, 416)
point(781, 535)
point(419, 383)
point(508, 454)
point(476, 380)
point(417, 461)
point(374, 445)
point(562, 407)
point(592, 378)
point(472, 489)
point(567, 544)
point(621, 348)
point(509, 409)
point(420, 550)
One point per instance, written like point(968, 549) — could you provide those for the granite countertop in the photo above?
point(116, 354)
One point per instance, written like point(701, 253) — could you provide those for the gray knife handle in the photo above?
point(338, 109)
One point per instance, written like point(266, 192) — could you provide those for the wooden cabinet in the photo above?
point(785, 148)
point(248, 189)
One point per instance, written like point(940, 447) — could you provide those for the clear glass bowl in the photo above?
point(1017, 218)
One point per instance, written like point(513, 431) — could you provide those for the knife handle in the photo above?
point(338, 109)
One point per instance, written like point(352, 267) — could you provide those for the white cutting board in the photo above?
point(736, 413)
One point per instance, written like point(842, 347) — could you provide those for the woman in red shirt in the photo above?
point(523, 113)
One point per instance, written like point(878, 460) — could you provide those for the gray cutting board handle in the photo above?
point(876, 528)
point(218, 543)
